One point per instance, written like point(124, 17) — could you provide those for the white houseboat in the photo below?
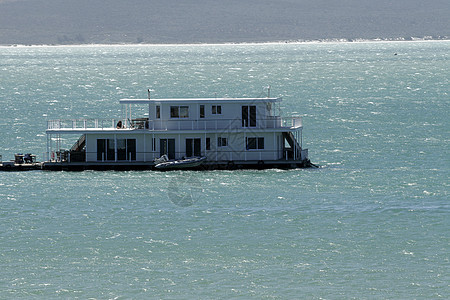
point(232, 133)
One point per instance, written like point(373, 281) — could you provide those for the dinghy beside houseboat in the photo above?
point(164, 163)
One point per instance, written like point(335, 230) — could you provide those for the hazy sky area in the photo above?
point(214, 21)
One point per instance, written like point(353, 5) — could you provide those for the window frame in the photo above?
point(124, 145)
point(179, 111)
point(222, 142)
point(202, 111)
point(216, 109)
point(257, 141)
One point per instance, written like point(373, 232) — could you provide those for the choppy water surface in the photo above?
point(373, 222)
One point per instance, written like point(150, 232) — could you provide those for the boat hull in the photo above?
point(182, 164)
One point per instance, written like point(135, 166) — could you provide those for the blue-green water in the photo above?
point(373, 222)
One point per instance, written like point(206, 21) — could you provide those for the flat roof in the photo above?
point(194, 100)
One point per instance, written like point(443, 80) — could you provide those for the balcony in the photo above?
point(76, 125)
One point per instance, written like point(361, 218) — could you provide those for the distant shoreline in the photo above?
point(318, 41)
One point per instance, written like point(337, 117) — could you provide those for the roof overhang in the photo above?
point(200, 100)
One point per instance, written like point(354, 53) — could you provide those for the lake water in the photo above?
point(372, 222)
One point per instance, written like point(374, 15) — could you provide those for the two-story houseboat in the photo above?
point(231, 133)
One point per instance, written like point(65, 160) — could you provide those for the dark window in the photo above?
point(260, 143)
point(126, 149)
point(253, 116)
point(222, 142)
point(167, 146)
point(111, 150)
point(255, 143)
point(179, 111)
point(184, 111)
point(249, 116)
point(193, 147)
point(244, 116)
point(251, 143)
point(158, 112)
point(216, 109)
point(105, 149)
point(131, 149)
point(197, 147)
point(208, 144)
point(101, 149)
point(174, 112)
point(202, 111)
point(189, 146)
point(121, 149)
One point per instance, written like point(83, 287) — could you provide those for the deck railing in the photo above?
point(171, 124)
point(149, 156)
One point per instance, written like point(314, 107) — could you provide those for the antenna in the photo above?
point(268, 91)
point(148, 91)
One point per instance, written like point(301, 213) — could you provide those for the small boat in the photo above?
point(163, 163)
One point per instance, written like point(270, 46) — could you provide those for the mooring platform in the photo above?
point(12, 166)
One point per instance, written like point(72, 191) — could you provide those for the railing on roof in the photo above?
point(82, 124)
point(173, 124)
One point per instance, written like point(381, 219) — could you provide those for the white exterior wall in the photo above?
point(229, 111)
point(91, 144)
point(234, 150)
point(236, 147)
